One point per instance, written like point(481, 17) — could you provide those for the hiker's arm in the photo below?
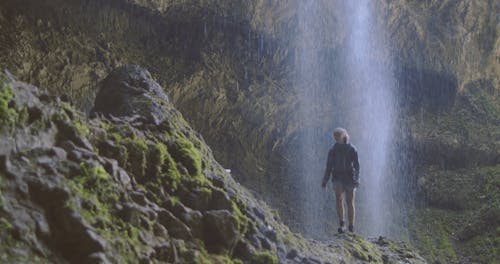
point(355, 163)
point(328, 171)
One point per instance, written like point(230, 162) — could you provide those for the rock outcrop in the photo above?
point(130, 91)
point(121, 188)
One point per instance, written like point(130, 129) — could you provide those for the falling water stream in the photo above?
point(353, 89)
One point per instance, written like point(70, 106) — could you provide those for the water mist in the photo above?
point(355, 89)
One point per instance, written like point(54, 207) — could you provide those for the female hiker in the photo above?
point(343, 165)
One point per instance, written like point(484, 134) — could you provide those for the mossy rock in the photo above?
point(10, 113)
point(185, 152)
point(362, 249)
point(264, 258)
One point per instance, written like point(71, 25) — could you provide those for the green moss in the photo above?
point(118, 151)
point(174, 200)
point(97, 172)
point(97, 192)
point(445, 235)
point(137, 154)
point(38, 125)
point(218, 259)
point(23, 116)
point(161, 151)
point(8, 114)
point(115, 137)
point(81, 128)
point(240, 219)
point(5, 225)
point(156, 158)
point(237, 261)
point(97, 195)
point(264, 258)
point(171, 176)
point(433, 235)
point(362, 249)
point(484, 248)
point(188, 155)
point(484, 245)
point(10, 253)
point(71, 113)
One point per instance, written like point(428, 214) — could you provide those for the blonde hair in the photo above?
point(341, 133)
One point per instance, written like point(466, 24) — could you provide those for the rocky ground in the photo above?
point(135, 184)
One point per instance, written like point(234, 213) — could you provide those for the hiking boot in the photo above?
point(351, 229)
point(341, 228)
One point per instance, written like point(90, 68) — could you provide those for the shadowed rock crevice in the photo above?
point(426, 89)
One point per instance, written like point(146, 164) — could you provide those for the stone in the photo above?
point(266, 243)
point(133, 92)
point(259, 213)
point(163, 251)
point(221, 231)
point(220, 200)
point(271, 234)
point(244, 250)
point(132, 213)
point(139, 198)
point(96, 243)
point(216, 179)
point(174, 226)
point(292, 254)
point(42, 227)
point(281, 252)
point(112, 168)
point(313, 260)
point(194, 219)
point(177, 208)
point(67, 131)
point(97, 258)
point(197, 199)
point(159, 230)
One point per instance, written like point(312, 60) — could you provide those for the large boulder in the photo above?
point(130, 90)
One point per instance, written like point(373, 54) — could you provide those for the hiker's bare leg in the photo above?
point(350, 206)
point(339, 198)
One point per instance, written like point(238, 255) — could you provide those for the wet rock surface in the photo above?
point(130, 91)
point(76, 199)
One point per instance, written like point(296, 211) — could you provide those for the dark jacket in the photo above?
point(343, 164)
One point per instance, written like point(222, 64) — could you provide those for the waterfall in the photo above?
point(373, 122)
point(348, 83)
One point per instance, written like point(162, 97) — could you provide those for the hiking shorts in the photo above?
point(344, 184)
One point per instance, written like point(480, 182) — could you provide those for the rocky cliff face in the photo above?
point(123, 187)
point(450, 52)
point(227, 65)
